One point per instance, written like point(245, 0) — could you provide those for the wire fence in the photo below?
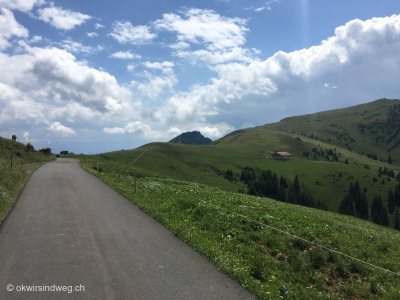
point(286, 233)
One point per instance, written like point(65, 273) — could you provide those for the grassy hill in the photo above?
point(370, 129)
point(327, 179)
point(269, 247)
point(13, 180)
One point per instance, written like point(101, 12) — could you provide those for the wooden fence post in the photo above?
point(97, 160)
point(135, 180)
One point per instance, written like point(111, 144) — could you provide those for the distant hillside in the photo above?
point(191, 138)
point(324, 169)
point(371, 129)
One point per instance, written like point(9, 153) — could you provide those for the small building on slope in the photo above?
point(282, 155)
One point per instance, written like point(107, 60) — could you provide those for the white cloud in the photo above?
point(206, 26)
point(217, 57)
point(98, 26)
point(125, 55)
point(62, 130)
point(273, 1)
point(26, 136)
point(131, 67)
point(215, 131)
point(180, 45)
point(62, 19)
point(76, 47)
point(259, 9)
point(361, 54)
point(35, 39)
point(157, 65)
point(9, 27)
point(125, 33)
point(327, 85)
point(137, 128)
point(157, 85)
point(22, 5)
point(92, 34)
point(54, 75)
point(115, 130)
point(222, 37)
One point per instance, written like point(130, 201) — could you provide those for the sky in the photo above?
point(98, 76)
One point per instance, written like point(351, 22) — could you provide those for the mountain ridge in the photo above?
point(191, 138)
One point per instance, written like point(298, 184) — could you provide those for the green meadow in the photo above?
point(268, 247)
point(327, 181)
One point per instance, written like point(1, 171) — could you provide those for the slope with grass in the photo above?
point(371, 128)
point(327, 181)
point(12, 180)
point(248, 238)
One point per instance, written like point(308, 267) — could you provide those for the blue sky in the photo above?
point(96, 76)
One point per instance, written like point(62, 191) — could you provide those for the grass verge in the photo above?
point(13, 180)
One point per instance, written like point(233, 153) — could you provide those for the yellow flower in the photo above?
point(267, 293)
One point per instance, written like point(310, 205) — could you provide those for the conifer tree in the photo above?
point(391, 205)
point(383, 217)
point(346, 206)
point(397, 220)
point(397, 195)
point(376, 209)
point(296, 185)
point(363, 212)
point(389, 160)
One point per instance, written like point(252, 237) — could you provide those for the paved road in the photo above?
point(68, 228)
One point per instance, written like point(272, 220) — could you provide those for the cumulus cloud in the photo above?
point(58, 129)
point(157, 85)
point(215, 131)
point(217, 57)
point(205, 26)
point(92, 34)
point(180, 45)
point(54, 75)
point(35, 39)
point(75, 47)
point(221, 37)
point(9, 27)
point(62, 19)
point(125, 32)
point(362, 58)
point(22, 5)
point(114, 130)
point(125, 55)
point(131, 67)
point(98, 26)
point(157, 65)
point(259, 9)
point(26, 136)
point(137, 128)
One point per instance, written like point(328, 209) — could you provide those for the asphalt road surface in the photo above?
point(68, 230)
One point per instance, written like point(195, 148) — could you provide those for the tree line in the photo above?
point(267, 184)
point(354, 203)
